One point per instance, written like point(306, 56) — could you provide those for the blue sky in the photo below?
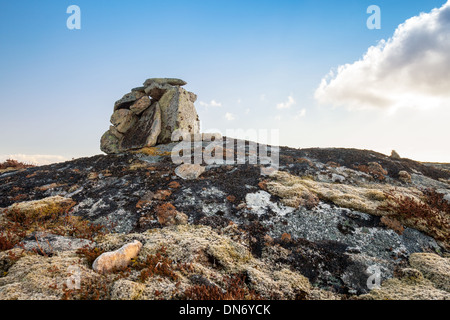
point(58, 86)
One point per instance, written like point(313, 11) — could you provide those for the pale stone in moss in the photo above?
point(118, 259)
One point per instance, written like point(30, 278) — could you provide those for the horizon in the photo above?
point(253, 65)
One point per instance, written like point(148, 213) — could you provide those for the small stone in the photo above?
point(48, 187)
point(192, 96)
point(337, 178)
point(138, 89)
point(157, 90)
point(404, 177)
point(113, 130)
point(128, 99)
point(395, 155)
point(169, 81)
point(268, 171)
point(140, 105)
point(109, 143)
point(118, 259)
point(162, 194)
point(123, 120)
point(92, 176)
point(189, 171)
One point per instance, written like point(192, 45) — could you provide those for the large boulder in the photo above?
point(177, 113)
point(128, 99)
point(141, 105)
point(169, 81)
point(149, 115)
point(109, 143)
point(146, 132)
point(123, 120)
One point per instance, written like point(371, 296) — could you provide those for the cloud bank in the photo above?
point(36, 159)
point(411, 69)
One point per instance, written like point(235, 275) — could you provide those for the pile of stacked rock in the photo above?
point(148, 115)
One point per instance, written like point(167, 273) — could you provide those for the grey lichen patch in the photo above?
point(260, 202)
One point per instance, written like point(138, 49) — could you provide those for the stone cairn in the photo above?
point(148, 115)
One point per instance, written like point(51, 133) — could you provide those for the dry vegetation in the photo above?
point(426, 211)
point(235, 289)
point(51, 215)
point(430, 214)
point(14, 164)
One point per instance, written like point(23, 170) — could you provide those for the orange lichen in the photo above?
point(162, 194)
point(174, 185)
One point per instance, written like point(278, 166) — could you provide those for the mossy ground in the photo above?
point(225, 250)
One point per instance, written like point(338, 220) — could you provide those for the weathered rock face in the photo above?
point(145, 133)
point(149, 115)
point(177, 113)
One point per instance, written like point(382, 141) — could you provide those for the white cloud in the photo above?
point(300, 114)
point(212, 103)
point(278, 117)
point(262, 97)
point(286, 105)
point(36, 159)
point(411, 69)
point(229, 116)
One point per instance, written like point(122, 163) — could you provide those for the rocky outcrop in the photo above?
point(327, 221)
point(149, 115)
